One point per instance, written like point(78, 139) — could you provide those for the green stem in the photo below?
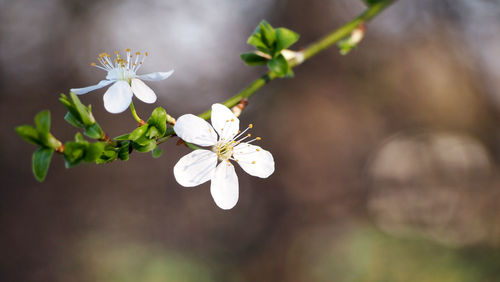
point(309, 52)
point(134, 114)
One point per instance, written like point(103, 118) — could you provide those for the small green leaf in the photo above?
point(158, 119)
point(145, 146)
point(156, 152)
point(124, 151)
point(152, 132)
point(253, 59)
point(122, 137)
point(48, 140)
point(285, 38)
point(28, 133)
point(79, 138)
point(71, 119)
point(143, 140)
point(94, 151)
point(94, 131)
point(256, 40)
point(279, 65)
point(74, 153)
point(138, 132)
point(41, 161)
point(85, 115)
point(42, 121)
point(267, 34)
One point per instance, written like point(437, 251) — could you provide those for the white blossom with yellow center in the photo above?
point(123, 73)
point(227, 143)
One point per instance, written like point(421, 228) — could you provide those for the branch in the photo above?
point(307, 53)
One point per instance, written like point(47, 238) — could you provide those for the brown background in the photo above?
point(387, 159)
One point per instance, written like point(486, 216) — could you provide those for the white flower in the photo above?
point(122, 72)
point(200, 165)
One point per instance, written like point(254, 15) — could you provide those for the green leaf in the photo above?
point(122, 137)
point(124, 151)
point(144, 146)
point(74, 153)
point(94, 131)
point(42, 121)
point(156, 152)
point(253, 59)
point(152, 132)
point(28, 133)
point(158, 119)
point(85, 114)
point(71, 119)
point(279, 65)
point(41, 161)
point(138, 132)
point(79, 138)
point(48, 140)
point(267, 34)
point(94, 151)
point(256, 40)
point(285, 38)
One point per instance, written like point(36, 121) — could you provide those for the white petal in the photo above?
point(224, 186)
point(224, 121)
point(87, 89)
point(254, 160)
point(196, 130)
point(195, 168)
point(118, 97)
point(155, 76)
point(142, 91)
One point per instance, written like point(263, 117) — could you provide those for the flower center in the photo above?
point(225, 148)
point(119, 68)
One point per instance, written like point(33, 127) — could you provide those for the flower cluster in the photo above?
point(223, 138)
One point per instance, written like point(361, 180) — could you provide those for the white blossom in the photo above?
point(126, 83)
point(226, 143)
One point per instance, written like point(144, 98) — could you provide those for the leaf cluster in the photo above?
point(270, 42)
point(81, 116)
point(47, 144)
point(144, 138)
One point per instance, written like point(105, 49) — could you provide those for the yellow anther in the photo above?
point(253, 162)
point(93, 64)
point(116, 52)
point(250, 126)
point(239, 131)
point(232, 119)
point(258, 138)
point(258, 150)
point(146, 54)
point(127, 50)
point(249, 134)
point(137, 53)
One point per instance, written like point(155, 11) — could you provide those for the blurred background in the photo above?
point(387, 159)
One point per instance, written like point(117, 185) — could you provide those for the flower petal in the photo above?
point(155, 76)
point(196, 130)
point(254, 160)
point(224, 121)
point(87, 89)
point(118, 97)
point(195, 168)
point(224, 186)
point(142, 91)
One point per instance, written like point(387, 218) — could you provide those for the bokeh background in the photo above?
point(387, 159)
